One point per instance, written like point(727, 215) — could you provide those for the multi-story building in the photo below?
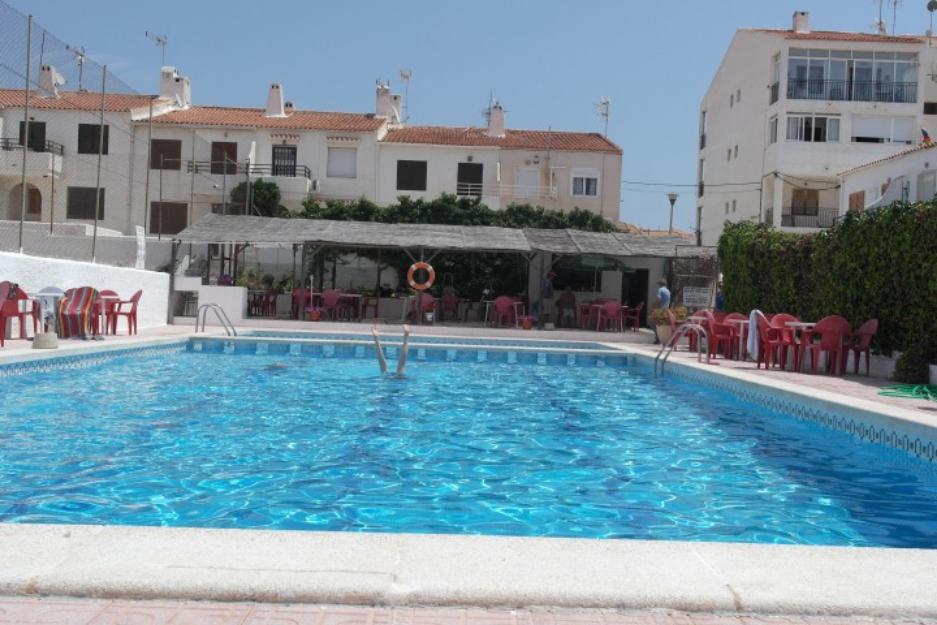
point(198, 154)
point(788, 110)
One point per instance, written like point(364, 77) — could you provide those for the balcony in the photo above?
point(809, 217)
point(852, 91)
point(239, 168)
point(700, 189)
point(775, 89)
point(512, 191)
point(42, 158)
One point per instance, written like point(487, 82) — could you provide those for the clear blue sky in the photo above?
point(548, 61)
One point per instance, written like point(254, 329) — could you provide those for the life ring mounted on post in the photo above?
point(430, 279)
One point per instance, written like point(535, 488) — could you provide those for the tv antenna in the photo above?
point(405, 76)
point(894, 14)
point(602, 110)
point(161, 41)
point(79, 53)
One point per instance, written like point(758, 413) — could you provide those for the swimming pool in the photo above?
point(242, 434)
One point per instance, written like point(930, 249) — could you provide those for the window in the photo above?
point(857, 201)
point(701, 187)
point(702, 129)
point(738, 96)
point(585, 182)
point(773, 129)
point(882, 129)
point(469, 179)
point(37, 135)
point(930, 108)
point(852, 75)
point(813, 128)
point(284, 161)
point(224, 156)
point(775, 79)
point(342, 163)
point(411, 175)
point(735, 152)
point(729, 154)
point(165, 154)
point(805, 202)
point(80, 203)
point(731, 99)
point(168, 217)
point(733, 206)
point(727, 208)
point(88, 137)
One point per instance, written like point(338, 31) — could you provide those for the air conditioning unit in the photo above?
point(315, 185)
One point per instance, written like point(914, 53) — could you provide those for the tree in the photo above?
point(265, 198)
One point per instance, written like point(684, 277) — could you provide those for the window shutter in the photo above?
point(342, 163)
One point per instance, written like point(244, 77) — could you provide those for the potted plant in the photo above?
point(661, 319)
point(314, 314)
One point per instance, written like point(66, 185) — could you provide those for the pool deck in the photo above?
point(714, 582)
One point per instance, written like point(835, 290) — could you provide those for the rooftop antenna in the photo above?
point(894, 14)
point(879, 25)
point(405, 76)
point(161, 41)
point(79, 53)
point(602, 110)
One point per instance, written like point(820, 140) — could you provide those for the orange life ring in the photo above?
point(422, 286)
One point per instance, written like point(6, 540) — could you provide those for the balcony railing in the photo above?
point(505, 190)
point(700, 189)
point(774, 94)
point(809, 217)
point(232, 168)
point(851, 90)
point(52, 147)
point(702, 140)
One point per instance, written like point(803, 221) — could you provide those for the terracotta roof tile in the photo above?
point(74, 100)
point(835, 35)
point(513, 139)
point(254, 118)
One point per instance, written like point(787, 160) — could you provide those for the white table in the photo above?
point(741, 323)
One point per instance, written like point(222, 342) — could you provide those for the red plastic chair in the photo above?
point(75, 312)
point(632, 316)
point(368, 303)
point(585, 314)
point(722, 338)
point(270, 304)
point(769, 343)
point(785, 337)
point(10, 309)
point(130, 313)
point(833, 331)
point(502, 309)
point(330, 303)
point(296, 306)
point(109, 305)
point(861, 342)
point(425, 302)
point(450, 306)
point(609, 317)
point(4, 295)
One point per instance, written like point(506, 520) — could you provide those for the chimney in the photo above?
point(288, 107)
point(388, 104)
point(49, 81)
point(495, 120)
point(175, 87)
point(275, 106)
point(802, 22)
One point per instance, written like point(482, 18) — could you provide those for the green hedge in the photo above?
point(875, 264)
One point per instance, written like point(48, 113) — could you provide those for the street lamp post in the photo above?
point(673, 200)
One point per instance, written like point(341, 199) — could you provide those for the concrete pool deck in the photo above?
point(506, 572)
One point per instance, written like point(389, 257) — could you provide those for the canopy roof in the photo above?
point(271, 231)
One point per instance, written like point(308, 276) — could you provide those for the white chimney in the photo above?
point(49, 81)
point(495, 120)
point(288, 107)
point(388, 104)
point(275, 106)
point(802, 22)
point(175, 87)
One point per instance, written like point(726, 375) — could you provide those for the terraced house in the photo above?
point(167, 161)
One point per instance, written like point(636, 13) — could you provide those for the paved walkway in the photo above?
point(61, 611)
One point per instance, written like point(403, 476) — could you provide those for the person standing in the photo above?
point(663, 301)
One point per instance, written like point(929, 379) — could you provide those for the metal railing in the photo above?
point(702, 344)
point(851, 90)
point(223, 318)
point(702, 140)
point(809, 217)
point(52, 147)
point(505, 190)
point(219, 168)
point(701, 188)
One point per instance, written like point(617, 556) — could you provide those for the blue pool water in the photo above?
point(395, 337)
point(315, 443)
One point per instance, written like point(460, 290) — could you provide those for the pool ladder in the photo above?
point(668, 347)
point(222, 317)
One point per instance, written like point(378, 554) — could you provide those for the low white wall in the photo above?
point(33, 273)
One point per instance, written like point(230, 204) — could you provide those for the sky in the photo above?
point(547, 61)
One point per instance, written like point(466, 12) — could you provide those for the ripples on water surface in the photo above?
point(292, 442)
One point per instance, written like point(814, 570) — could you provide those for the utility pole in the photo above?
point(23, 191)
point(149, 165)
point(159, 218)
point(97, 184)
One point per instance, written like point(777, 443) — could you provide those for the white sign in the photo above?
point(141, 248)
point(696, 297)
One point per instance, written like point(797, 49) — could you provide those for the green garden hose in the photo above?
point(911, 391)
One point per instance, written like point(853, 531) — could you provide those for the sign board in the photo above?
point(141, 248)
point(696, 297)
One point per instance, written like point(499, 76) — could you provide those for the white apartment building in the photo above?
point(197, 154)
point(789, 110)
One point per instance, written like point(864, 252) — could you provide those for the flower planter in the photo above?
point(664, 332)
point(527, 323)
point(314, 314)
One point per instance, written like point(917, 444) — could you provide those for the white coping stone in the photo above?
point(413, 569)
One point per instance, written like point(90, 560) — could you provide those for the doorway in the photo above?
point(634, 290)
point(33, 203)
point(284, 160)
point(469, 179)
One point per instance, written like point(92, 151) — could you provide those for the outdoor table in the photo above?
point(741, 323)
point(487, 303)
point(49, 300)
point(805, 328)
point(352, 302)
point(518, 313)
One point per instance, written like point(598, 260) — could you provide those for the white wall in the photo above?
point(33, 273)
point(871, 178)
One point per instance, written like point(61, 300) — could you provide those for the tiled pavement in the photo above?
point(60, 611)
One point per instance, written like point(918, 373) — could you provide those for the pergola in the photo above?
point(422, 242)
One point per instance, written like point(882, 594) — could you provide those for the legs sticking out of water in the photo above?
point(380, 350)
point(402, 359)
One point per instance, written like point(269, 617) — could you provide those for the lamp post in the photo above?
point(673, 200)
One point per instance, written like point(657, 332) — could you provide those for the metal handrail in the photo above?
point(202, 314)
point(851, 90)
point(10, 144)
point(669, 346)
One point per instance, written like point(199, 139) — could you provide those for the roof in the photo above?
point(270, 230)
point(254, 118)
point(921, 147)
point(512, 139)
point(835, 35)
point(74, 100)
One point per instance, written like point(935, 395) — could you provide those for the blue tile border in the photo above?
point(84, 360)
